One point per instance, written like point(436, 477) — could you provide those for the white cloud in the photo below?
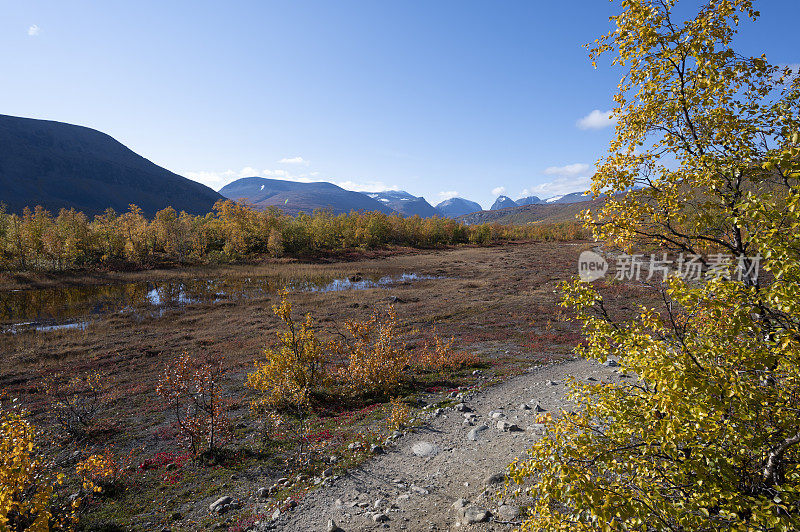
point(217, 180)
point(447, 194)
point(366, 186)
point(34, 30)
point(597, 119)
point(294, 160)
point(497, 191)
point(558, 187)
point(570, 170)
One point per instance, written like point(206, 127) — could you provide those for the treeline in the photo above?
point(37, 239)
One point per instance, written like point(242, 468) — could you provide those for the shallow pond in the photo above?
point(50, 309)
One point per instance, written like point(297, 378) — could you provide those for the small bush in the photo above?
point(192, 389)
point(25, 486)
point(78, 404)
point(399, 414)
point(438, 355)
point(377, 360)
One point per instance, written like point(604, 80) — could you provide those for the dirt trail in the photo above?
point(418, 479)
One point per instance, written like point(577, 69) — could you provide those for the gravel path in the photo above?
point(414, 485)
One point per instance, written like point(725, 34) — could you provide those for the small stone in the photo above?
point(423, 448)
point(217, 505)
point(395, 434)
point(355, 446)
point(461, 407)
point(380, 517)
point(419, 491)
point(438, 412)
point(333, 527)
point(538, 408)
point(473, 514)
point(611, 363)
point(403, 498)
point(508, 512)
point(379, 502)
point(283, 480)
point(262, 493)
point(475, 433)
point(524, 407)
point(460, 503)
point(551, 383)
point(507, 426)
point(592, 379)
point(175, 516)
point(276, 514)
point(376, 449)
point(495, 479)
point(496, 415)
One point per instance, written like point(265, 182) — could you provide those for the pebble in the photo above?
point(419, 491)
point(217, 505)
point(507, 426)
point(474, 514)
point(333, 527)
point(475, 433)
point(508, 512)
point(611, 363)
point(423, 448)
point(495, 479)
point(380, 517)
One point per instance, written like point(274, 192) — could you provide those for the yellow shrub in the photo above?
point(438, 354)
point(399, 414)
point(377, 361)
point(293, 368)
point(25, 489)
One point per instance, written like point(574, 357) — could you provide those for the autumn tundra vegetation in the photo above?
point(38, 240)
point(704, 436)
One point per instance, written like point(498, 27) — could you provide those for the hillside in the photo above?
point(404, 203)
point(292, 197)
point(526, 214)
point(58, 165)
point(503, 202)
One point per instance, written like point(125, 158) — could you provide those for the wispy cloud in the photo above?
point(497, 191)
point(217, 180)
point(366, 186)
point(34, 30)
point(558, 187)
point(570, 170)
point(294, 160)
point(597, 119)
point(447, 194)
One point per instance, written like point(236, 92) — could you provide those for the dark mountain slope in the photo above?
point(292, 197)
point(59, 165)
point(525, 214)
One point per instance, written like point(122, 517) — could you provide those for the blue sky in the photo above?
point(435, 97)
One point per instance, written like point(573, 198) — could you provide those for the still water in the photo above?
point(50, 309)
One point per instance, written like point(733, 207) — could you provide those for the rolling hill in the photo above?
point(58, 165)
point(293, 197)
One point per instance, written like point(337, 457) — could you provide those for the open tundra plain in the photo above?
point(500, 305)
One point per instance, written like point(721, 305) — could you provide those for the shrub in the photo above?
point(79, 404)
point(377, 359)
point(399, 414)
point(192, 389)
point(439, 355)
point(25, 486)
point(294, 369)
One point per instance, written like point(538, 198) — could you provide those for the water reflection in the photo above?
point(52, 309)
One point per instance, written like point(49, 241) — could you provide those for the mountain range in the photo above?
point(58, 165)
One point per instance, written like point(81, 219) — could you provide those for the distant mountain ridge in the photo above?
point(503, 202)
point(293, 197)
point(404, 203)
point(58, 165)
point(455, 207)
